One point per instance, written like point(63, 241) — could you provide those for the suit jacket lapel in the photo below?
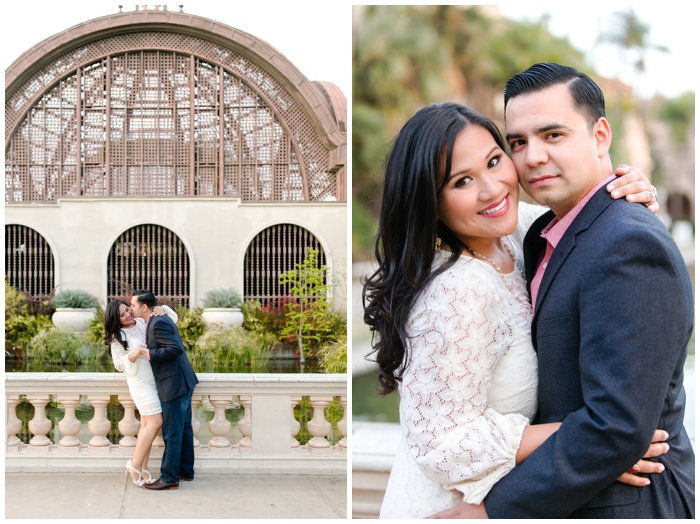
point(595, 206)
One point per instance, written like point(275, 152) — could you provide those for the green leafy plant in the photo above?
point(24, 318)
point(75, 298)
point(333, 356)
point(53, 346)
point(190, 325)
point(233, 347)
point(308, 317)
point(222, 298)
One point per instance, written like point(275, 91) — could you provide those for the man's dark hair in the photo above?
point(145, 297)
point(585, 93)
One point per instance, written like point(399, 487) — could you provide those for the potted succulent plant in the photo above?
point(75, 309)
point(223, 305)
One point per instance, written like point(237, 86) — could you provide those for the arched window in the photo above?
point(29, 263)
point(149, 257)
point(273, 251)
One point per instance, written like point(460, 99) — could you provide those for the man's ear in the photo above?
point(603, 136)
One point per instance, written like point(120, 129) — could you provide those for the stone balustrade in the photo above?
point(267, 429)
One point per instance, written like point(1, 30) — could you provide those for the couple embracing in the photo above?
point(145, 344)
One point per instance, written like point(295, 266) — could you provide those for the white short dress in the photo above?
point(139, 375)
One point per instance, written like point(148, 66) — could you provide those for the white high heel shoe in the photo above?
point(148, 479)
point(139, 482)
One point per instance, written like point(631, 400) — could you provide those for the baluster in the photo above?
point(129, 425)
point(39, 425)
point(69, 426)
point(245, 426)
point(196, 424)
point(14, 424)
point(296, 426)
point(318, 426)
point(219, 425)
point(99, 426)
point(343, 425)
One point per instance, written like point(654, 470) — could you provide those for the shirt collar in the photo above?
point(556, 228)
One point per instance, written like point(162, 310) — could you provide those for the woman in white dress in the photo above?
point(124, 334)
point(451, 314)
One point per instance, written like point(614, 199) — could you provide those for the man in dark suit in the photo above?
point(613, 314)
point(175, 381)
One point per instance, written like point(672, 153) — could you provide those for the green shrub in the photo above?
point(75, 298)
point(190, 325)
point(333, 356)
point(53, 346)
point(24, 318)
point(222, 298)
point(233, 347)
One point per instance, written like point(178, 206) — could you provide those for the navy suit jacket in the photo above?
point(611, 326)
point(171, 367)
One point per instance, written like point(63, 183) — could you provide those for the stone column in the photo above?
point(245, 426)
point(196, 424)
point(296, 426)
point(342, 446)
point(39, 425)
point(318, 426)
point(69, 426)
point(219, 425)
point(99, 426)
point(129, 425)
point(14, 425)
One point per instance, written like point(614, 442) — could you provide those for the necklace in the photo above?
point(507, 249)
point(519, 294)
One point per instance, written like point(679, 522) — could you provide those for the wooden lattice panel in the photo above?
point(149, 257)
point(160, 114)
point(272, 252)
point(29, 263)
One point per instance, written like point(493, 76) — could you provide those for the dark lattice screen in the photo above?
point(273, 251)
point(29, 263)
point(149, 257)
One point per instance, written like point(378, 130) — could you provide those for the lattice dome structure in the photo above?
point(158, 110)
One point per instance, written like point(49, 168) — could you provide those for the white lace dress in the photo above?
point(470, 388)
point(139, 375)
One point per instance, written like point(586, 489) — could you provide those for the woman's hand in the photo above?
point(158, 312)
point(632, 183)
point(134, 355)
point(657, 448)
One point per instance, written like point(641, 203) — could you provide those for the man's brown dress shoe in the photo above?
point(161, 484)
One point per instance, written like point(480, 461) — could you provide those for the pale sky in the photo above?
point(670, 25)
point(316, 37)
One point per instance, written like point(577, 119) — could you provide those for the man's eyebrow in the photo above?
point(538, 131)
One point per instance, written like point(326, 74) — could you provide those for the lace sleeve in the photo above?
point(171, 313)
point(459, 332)
point(120, 358)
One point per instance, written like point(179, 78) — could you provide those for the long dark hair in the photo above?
point(113, 327)
point(415, 173)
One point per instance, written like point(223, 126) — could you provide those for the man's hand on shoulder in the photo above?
point(463, 510)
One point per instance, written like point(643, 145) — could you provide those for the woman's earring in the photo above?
point(438, 242)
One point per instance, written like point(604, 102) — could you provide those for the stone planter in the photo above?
point(72, 319)
point(226, 316)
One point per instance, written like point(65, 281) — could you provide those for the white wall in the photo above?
point(215, 231)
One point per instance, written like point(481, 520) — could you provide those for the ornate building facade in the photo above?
point(162, 150)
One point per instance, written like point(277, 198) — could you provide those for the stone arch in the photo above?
point(273, 251)
point(30, 264)
point(153, 257)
